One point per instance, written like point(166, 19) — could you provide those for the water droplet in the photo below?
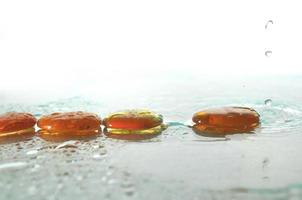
point(32, 152)
point(268, 102)
point(98, 146)
point(129, 191)
point(103, 152)
point(268, 24)
point(268, 53)
point(32, 190)
point(97, 156)
point(69, 144)
point(14, 165)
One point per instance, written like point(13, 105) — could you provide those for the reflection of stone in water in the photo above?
point(17, 136)
point(61, 137)
point(134, 134)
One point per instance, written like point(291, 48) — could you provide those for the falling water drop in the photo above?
point(268, 53)
point(268, 102)
point(268, 24)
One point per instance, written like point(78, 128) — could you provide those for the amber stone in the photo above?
point(226, 120)
point(69, 124)
point(13, 122)
point(133, 120)
point(133, 125)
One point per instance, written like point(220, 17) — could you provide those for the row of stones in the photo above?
point(128, 124)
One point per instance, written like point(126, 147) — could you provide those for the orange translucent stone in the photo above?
point(16, 127)
point(133, 120)
point(13, 122)
point(226, 120)
point(133, 125)
point(62, 125)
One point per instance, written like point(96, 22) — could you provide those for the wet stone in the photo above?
point(15, 127)
point(69, 125)
point(133, 124)
point(225, 120)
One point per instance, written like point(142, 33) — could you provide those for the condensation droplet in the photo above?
point(268, 102)
point(268, 53)
point(129, 191)
point(32, 152)
point(14, 165)
point(268, 24)
point(69, 144)
point(103, 152)
point(97, 156)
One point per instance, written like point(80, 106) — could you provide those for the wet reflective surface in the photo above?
point(177, 164)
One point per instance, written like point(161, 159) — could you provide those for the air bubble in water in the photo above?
point(268, 102)
point(268, 53)
point(268, 24)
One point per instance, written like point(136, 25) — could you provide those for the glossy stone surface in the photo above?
point(13, 122)
point(69, 123)
point(225, 120)
point(17, 136)
point(133, 120)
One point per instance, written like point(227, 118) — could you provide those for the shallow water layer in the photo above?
point(178, 164)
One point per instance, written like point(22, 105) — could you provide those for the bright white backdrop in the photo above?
point(61, 43)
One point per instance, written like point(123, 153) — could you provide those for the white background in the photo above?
point(56, 43)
